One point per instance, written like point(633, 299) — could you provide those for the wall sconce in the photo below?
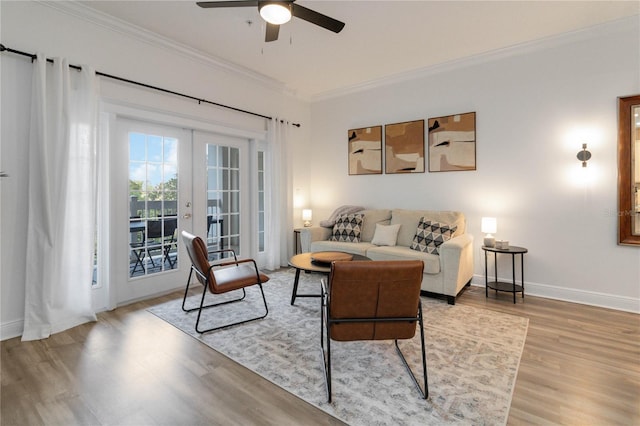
point(306, 216)
point(584, 155)
point(489, 226)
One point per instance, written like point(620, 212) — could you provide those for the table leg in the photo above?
point(295, 286)
point(513, 272)
point(522, 273)
point(297, 245)
point(486, 276)
point(495, 268)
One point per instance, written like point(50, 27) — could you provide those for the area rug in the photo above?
point(472, 357)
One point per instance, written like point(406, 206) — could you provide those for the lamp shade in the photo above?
point(275, 13)
point(489, 225)
point(306, 216)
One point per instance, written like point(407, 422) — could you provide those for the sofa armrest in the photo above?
point(311, 234)
point(456, 263)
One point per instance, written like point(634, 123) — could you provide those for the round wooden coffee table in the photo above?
point(305, 262)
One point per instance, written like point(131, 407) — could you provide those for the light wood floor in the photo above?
point(581, 365)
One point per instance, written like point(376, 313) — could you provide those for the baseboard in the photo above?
point(583, 297)
point(11, 329)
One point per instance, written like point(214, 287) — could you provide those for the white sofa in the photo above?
point(445, 273)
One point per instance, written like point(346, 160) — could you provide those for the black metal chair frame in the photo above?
point(140, 255)
point(211, 219)
point(325, 327)
point(166, 236)
point(170, 229)
point(202, 306)
point(138, 247)
point(141, 249)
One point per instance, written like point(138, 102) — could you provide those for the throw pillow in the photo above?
point(386, 235)
point(430, 235)
point(347, 228)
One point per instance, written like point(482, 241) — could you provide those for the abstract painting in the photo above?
point(452, 143)
point(365, 151)
point(404, 147)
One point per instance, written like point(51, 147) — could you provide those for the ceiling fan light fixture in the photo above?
point(275, 12)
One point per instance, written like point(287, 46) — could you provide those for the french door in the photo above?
point(222, 194)
point(164, 180)
point(151, 201)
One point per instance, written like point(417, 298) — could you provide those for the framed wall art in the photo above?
point(452, 143)
point(365, 151)
point(404, 147)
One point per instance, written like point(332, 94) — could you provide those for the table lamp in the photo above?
point(306, 216)
point(489, 226)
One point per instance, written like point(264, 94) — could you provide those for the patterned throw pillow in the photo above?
point(347, 228)
point(430, 235)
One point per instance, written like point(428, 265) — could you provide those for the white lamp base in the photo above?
point(489, 241)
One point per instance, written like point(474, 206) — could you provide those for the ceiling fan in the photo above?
point(279, 12)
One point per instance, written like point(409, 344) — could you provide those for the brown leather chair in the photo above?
point(378, 300)
point(220, 278)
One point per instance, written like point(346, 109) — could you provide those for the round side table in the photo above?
point(496, 285)
point(304, 262)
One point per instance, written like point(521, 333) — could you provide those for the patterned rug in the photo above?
point(472, 357)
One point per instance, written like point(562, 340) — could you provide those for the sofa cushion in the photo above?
point(431, 261)
point(371, 218)
point(347, 228)
point(430, 235)
point(353, 248)
point(409, 220)
point(386, 235)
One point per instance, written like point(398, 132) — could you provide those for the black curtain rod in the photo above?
point(33, 57)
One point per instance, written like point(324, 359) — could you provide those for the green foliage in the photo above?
point(167, 191)
point(135, 186)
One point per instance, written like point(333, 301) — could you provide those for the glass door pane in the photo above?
point(153, 203)
point(222, 208)
point(223, 199)
point(261, 202)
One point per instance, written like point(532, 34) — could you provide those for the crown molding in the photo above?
point(149, 37)
point(595, 31)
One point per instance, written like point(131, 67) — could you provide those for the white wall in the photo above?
point(535, 105)
point(56, 30)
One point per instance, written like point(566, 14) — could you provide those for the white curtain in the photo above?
point(280, 202)
point(62, 198)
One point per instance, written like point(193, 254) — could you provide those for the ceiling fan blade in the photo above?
point(238, 3)
point(272, 32)
point(319, 19)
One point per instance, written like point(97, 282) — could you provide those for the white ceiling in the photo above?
point(380, 39)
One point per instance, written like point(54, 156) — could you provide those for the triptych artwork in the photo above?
point(451, 144)
point(365, 151)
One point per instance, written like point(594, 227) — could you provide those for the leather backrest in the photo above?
point(375, 289)
point(197, 250)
